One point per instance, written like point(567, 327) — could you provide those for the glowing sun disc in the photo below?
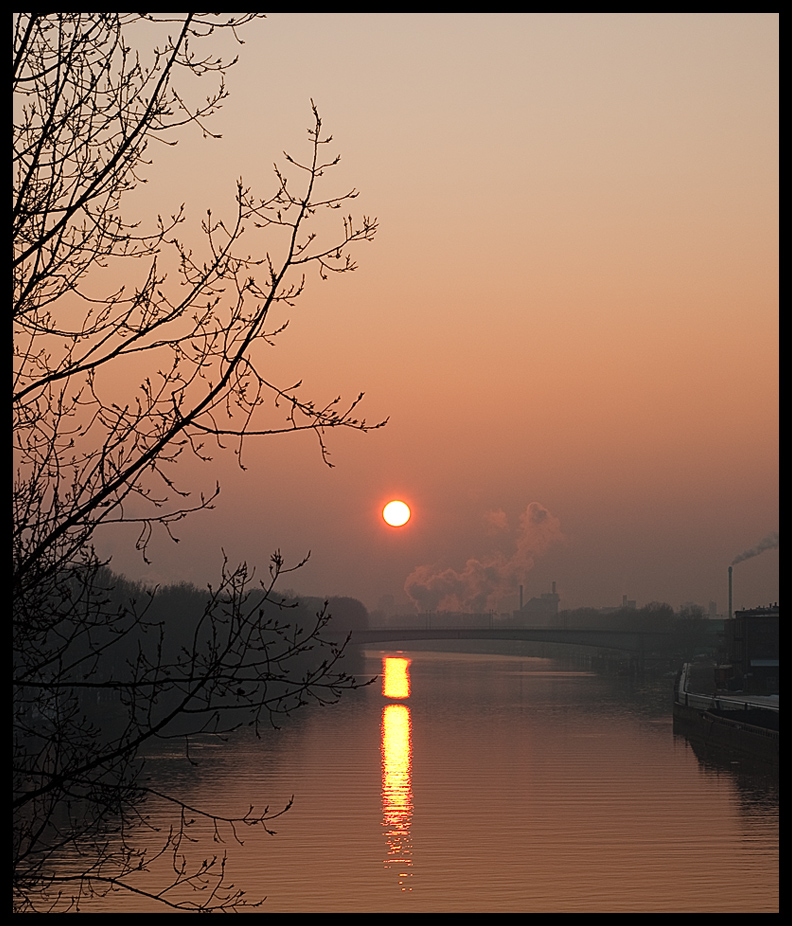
point(396, 514)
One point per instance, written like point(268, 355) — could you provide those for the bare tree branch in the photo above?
point(88, 453)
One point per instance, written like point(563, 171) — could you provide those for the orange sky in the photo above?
point(572, 300)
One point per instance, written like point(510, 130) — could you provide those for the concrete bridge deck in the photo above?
point(632, 641)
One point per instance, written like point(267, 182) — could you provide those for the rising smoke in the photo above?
point(481, 585)
point(770, 542)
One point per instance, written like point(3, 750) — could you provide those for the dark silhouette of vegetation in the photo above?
point(348, 613)
point(134, 351)
point(689, 632)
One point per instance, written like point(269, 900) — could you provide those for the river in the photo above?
point(496, 783)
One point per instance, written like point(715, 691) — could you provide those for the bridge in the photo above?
point(630, 641)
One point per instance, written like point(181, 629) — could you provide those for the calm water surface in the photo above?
point(489, 783)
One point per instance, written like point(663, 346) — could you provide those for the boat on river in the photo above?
point(739, 721)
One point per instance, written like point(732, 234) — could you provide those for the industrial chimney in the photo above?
point(731, 614)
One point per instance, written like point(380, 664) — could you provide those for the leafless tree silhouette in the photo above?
point(115, 385)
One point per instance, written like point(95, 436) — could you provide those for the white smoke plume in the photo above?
point(481, 585)
point(770, 542)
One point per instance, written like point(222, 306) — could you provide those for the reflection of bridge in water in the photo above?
point(630, 641)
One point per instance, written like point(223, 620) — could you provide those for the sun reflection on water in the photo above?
point(397, 802)
point(395, 677)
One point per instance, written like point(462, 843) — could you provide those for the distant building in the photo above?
point(541, 608)
point(626, 605)
point(751, 638)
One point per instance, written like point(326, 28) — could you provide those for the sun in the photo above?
point(396, 513)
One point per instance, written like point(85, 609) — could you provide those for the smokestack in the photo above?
point(730, 593)
point(521, 598)
point(554, 591)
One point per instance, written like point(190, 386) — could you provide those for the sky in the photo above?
point(568, 314)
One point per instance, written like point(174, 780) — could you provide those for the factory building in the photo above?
point(751, 638)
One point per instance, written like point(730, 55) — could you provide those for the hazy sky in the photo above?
point(571, 303)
